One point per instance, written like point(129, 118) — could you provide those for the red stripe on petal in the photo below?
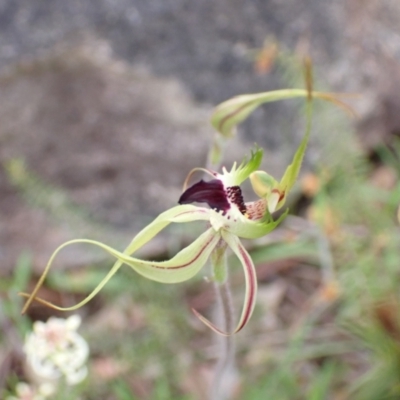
point(188, 263)
point(252, 287)
point(232, 114)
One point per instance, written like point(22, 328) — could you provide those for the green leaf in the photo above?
point(22, 271)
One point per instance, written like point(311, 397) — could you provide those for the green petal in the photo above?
point(181, 267)
point(178, 214)
point(250, 278)
point(292, 171)
point(251, 285)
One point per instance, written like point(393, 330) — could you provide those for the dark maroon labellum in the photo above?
point(211, 192)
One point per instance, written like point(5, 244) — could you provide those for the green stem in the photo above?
point(225, 372)
point(219, 264)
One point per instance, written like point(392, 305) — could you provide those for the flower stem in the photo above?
point(225, 376)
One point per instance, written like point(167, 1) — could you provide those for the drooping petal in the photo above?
point(211, 192)
point(251, 285)
point(178, 214)
point(181, 267)
point(250, 278)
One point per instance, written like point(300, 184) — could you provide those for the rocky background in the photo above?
point(104, 104)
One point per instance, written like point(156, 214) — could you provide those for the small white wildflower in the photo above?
point(54, 350)
point(24, 391)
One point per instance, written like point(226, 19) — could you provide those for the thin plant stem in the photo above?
point(223, 383)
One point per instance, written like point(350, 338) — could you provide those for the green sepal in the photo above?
point(232, 112)
point(292, 171)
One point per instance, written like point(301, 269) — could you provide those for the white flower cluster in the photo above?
point(55, 350)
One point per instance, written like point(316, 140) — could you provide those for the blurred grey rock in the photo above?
point(206, 44)
point(106, 147)
point(101, 99)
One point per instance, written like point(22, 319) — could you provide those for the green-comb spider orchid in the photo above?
point(229, 219)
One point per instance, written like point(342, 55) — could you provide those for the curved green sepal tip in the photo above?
point(230, 113)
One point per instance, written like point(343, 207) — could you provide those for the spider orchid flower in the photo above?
point(229, 219)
